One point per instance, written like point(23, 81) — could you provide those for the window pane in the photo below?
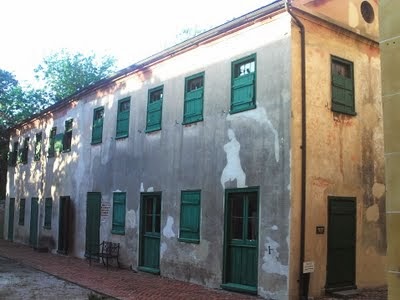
point(156, 95)
point(149, 223)
point(244, 68)
point(342, 69)
point(194, 84)
point(99, 113)
point(124, 106)
point(252, 217)
point(237, 228)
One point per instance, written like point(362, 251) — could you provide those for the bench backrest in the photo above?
point(110, 248)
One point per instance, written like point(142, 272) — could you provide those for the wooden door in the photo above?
point(33, 232)
point(341, 243)
point(150, 233)
point(64, 225)
point(93, 208)
point(241, 247)
point(11, 210)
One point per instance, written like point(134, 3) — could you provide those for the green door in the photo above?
point(64, 225)
point(93, 205)
point(149, 250)
point(341, 243)
point(33, 232)
point(241, 234)
point(11, 209)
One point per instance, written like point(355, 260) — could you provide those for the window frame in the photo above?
point(336, 106)
point(21, 213)
point(38, 146)
point(13, 155)
point(96, 126)
point(51, 150)
point(196, 117)
point(236, 108)
point(118, 226)
point(67, 137)
point(23, 152)
point(122, 133)
point(184, 229)
point(156, 126)
point(48, 212)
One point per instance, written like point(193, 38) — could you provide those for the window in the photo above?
point(243, 93)
point(50, 152)
point(190, 217)
point(48, 206)
point(342, 86)
point(194, 93)
point(23, 152)
point(97, 127)
point(21, 219)
point(123, 118)
point(154, 109)
point(38, 146)
point(67, 138)
point(13, 155)
point(118, 221)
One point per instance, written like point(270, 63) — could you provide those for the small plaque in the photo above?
point(320, 229)
point(308, 267)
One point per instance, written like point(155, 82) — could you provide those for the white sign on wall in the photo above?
point(308, 267)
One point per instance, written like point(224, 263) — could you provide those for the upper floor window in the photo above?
point(23, 152)
point(243, 91)
point(67, 138)
point(194, 93)
point(154, 109)
point(123, 117)
point(51, 150)
point(38, 146)
point(13, 155)
point(97, 127)
point(342, 86)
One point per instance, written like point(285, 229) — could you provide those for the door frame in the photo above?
point(86, 229)
point(353, 285)
point(141, 228)
point(11, 221)
point(32, 229)
point(226, 285)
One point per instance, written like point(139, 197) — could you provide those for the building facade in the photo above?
point(227, 160)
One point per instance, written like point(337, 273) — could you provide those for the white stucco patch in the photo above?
point(274, 227)
point(141, 187)
point(271, 255)
point(372, 213)
point(150, 189)
point(378, 189)
point(278, 295)
point(117, 191)
point(233, 169)
point(167, 231)
point(163, 248)
point(259, 115)
point(131, 219)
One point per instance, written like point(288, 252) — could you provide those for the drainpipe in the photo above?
point(303, 278)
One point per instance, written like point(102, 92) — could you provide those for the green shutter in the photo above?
point(47, 212)
point(243, 92)
point(190, 216)
point(154, 111)
point(38, 146)
point(53, 132)
point(97, 128)
point(118, 220)
point(343, 89)
point(21, 219)
point(67, 139)
point(123, 118)
point(194, 94)
point(58, 142)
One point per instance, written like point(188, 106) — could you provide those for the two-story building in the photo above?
point(228, 160)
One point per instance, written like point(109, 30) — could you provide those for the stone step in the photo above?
point(346, 294)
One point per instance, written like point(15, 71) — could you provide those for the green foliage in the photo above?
point(64, 73)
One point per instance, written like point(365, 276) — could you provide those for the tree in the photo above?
point(64, 73)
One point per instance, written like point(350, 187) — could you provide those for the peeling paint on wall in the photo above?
point(141, 187)
point(167, 231)
point(372, 213)
point(131, 219)
point(378, 189)
point(233, 169)
point(163, 248)
point(150, 189)
point(271, 255)
point(259, 115)
point(272, 295)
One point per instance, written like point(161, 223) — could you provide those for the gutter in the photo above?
point(230, 26)
point(303, 278)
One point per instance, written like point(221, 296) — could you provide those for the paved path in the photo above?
point(118, 283)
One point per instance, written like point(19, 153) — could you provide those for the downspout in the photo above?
point(303, 278)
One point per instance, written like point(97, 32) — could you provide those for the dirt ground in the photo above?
point(21, 282)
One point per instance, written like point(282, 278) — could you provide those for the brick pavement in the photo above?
point(118, 283)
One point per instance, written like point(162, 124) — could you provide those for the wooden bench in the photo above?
point(108, 250)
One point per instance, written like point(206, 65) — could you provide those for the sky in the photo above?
point(130, 30)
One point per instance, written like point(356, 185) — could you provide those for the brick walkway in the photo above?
point(118, 283)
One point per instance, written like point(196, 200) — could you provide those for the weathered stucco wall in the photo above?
point(250, 148)
point(344, 153)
